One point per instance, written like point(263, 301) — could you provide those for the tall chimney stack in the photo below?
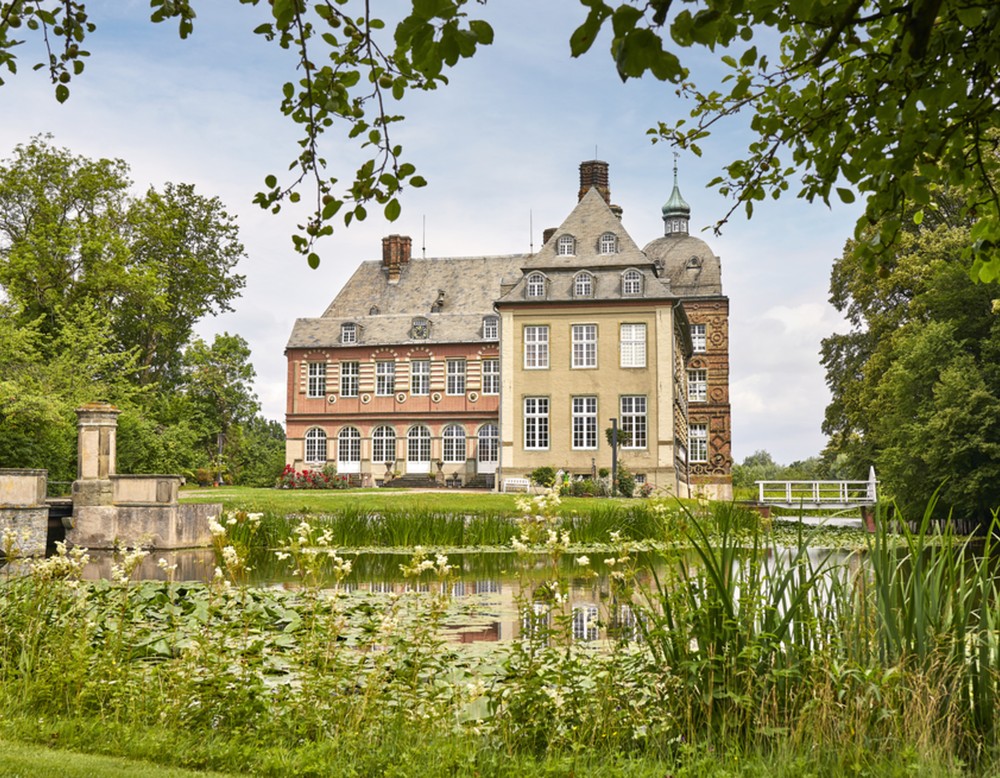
point(395, 254)
point(594, 174)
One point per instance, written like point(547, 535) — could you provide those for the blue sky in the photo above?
point(500, 147)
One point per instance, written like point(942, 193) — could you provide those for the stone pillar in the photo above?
point(94, 515)
point(24, 515)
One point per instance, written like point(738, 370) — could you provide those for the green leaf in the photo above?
point(392, 210)
point(846, 195)
point(313, 260)
point(62, 92)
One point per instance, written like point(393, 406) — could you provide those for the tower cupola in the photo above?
point(676, 211)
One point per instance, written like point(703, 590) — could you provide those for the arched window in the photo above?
point(566, 246)
point(536, 285)
point(583, 285)
point(384, 445)
point(454, 443)
point(489, 443)
point(608, 243)
point(349, 333)
point(348, 450)
point(631, 283)
point(315, 446)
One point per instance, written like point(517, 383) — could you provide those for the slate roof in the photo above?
point(470, 285)
point(688, 265)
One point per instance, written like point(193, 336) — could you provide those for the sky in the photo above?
point(500, 147)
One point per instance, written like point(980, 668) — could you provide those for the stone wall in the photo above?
point(24, 516)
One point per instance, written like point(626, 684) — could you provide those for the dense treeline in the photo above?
point(100, 291)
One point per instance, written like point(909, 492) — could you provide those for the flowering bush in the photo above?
point(326, 478)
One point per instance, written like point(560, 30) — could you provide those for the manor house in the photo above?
point(475, 369)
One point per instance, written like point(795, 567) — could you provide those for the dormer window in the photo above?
point(694, 263)
point(566, 246)
point(373, 311)
point(583, 285)
point(420, 329)
point(536, 285)
point(349, 333)
point(631, 283)
point(491, 328)
point(608, 243)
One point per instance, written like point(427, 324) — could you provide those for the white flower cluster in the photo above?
point(65, 564)
point(121, 571)
point(214, 527)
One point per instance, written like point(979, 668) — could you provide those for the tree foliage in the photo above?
point(892, 99)
point(100, 293)
point(915, 384)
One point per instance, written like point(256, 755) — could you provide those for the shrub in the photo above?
point(326, 478)
point(626, 481)
point(544, 476)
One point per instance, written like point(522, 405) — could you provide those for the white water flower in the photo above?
point(583, 560)
point(214, 527)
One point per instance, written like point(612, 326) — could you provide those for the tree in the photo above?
point(73, 238)
point(892, 99)
point(916, 382)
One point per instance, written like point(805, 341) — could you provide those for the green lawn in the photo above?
point(21, 760)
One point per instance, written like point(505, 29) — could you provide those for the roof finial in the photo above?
point(676, 212)
point(676, 155)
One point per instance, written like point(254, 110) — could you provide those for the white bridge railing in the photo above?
point(818, 493)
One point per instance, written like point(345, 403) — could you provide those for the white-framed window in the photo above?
point(536, 347)
point(697, 385)
point(584, 345)
point(383, 444)
point(536, 423)
point(454, 443)
point(491, 376)
point(608, 244)
point(585, 622)
point(633, 419)
point(583, 285)
point(317, 380)
point(631, 283)
point(698, 442)
point(584, 422)
point(566, 246)
point(489, 443)
point(385, 377)
point(536, 285)
point(456, 376)
point(420, 376)
point(633, 345)
point(349, 376)
point(349, 333)
point(315, 446)
point(348, 446)
point(698, 339)
point(418, 444)
point(491, 328)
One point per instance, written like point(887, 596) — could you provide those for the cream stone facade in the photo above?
point(466, 371)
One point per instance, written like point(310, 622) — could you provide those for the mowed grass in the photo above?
point(24, 760)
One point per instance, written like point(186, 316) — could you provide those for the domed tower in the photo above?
point(695, 275)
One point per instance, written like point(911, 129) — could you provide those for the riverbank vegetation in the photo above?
point(736, 655)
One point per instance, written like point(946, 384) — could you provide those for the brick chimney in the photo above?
point(594, 173)
point(395, 254)
point(547, 234)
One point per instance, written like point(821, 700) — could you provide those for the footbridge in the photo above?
point(820, 495)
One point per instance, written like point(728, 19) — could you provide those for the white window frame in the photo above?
point(348, 333)
point(536, 423)
point(455, 443)
point(536, 285)
point(455, 384)
point(584, 339)
point(383, 444)
point(315, 446)
point(584, 423)
point(632, 345)
point(349, 445)
point(420, 376)
point(697, 385)
point(583, 285)
point(699, 341)
point(608, 243)
point(697, 442)
point(585, 622)
point(350, 378)
point(488, 443)
point(631, 283)
point(491, 327)
point(566, 246)
point(316, 386)
point(385, 377)
point(536, 347)
point(491, 376)
point(633, 409)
